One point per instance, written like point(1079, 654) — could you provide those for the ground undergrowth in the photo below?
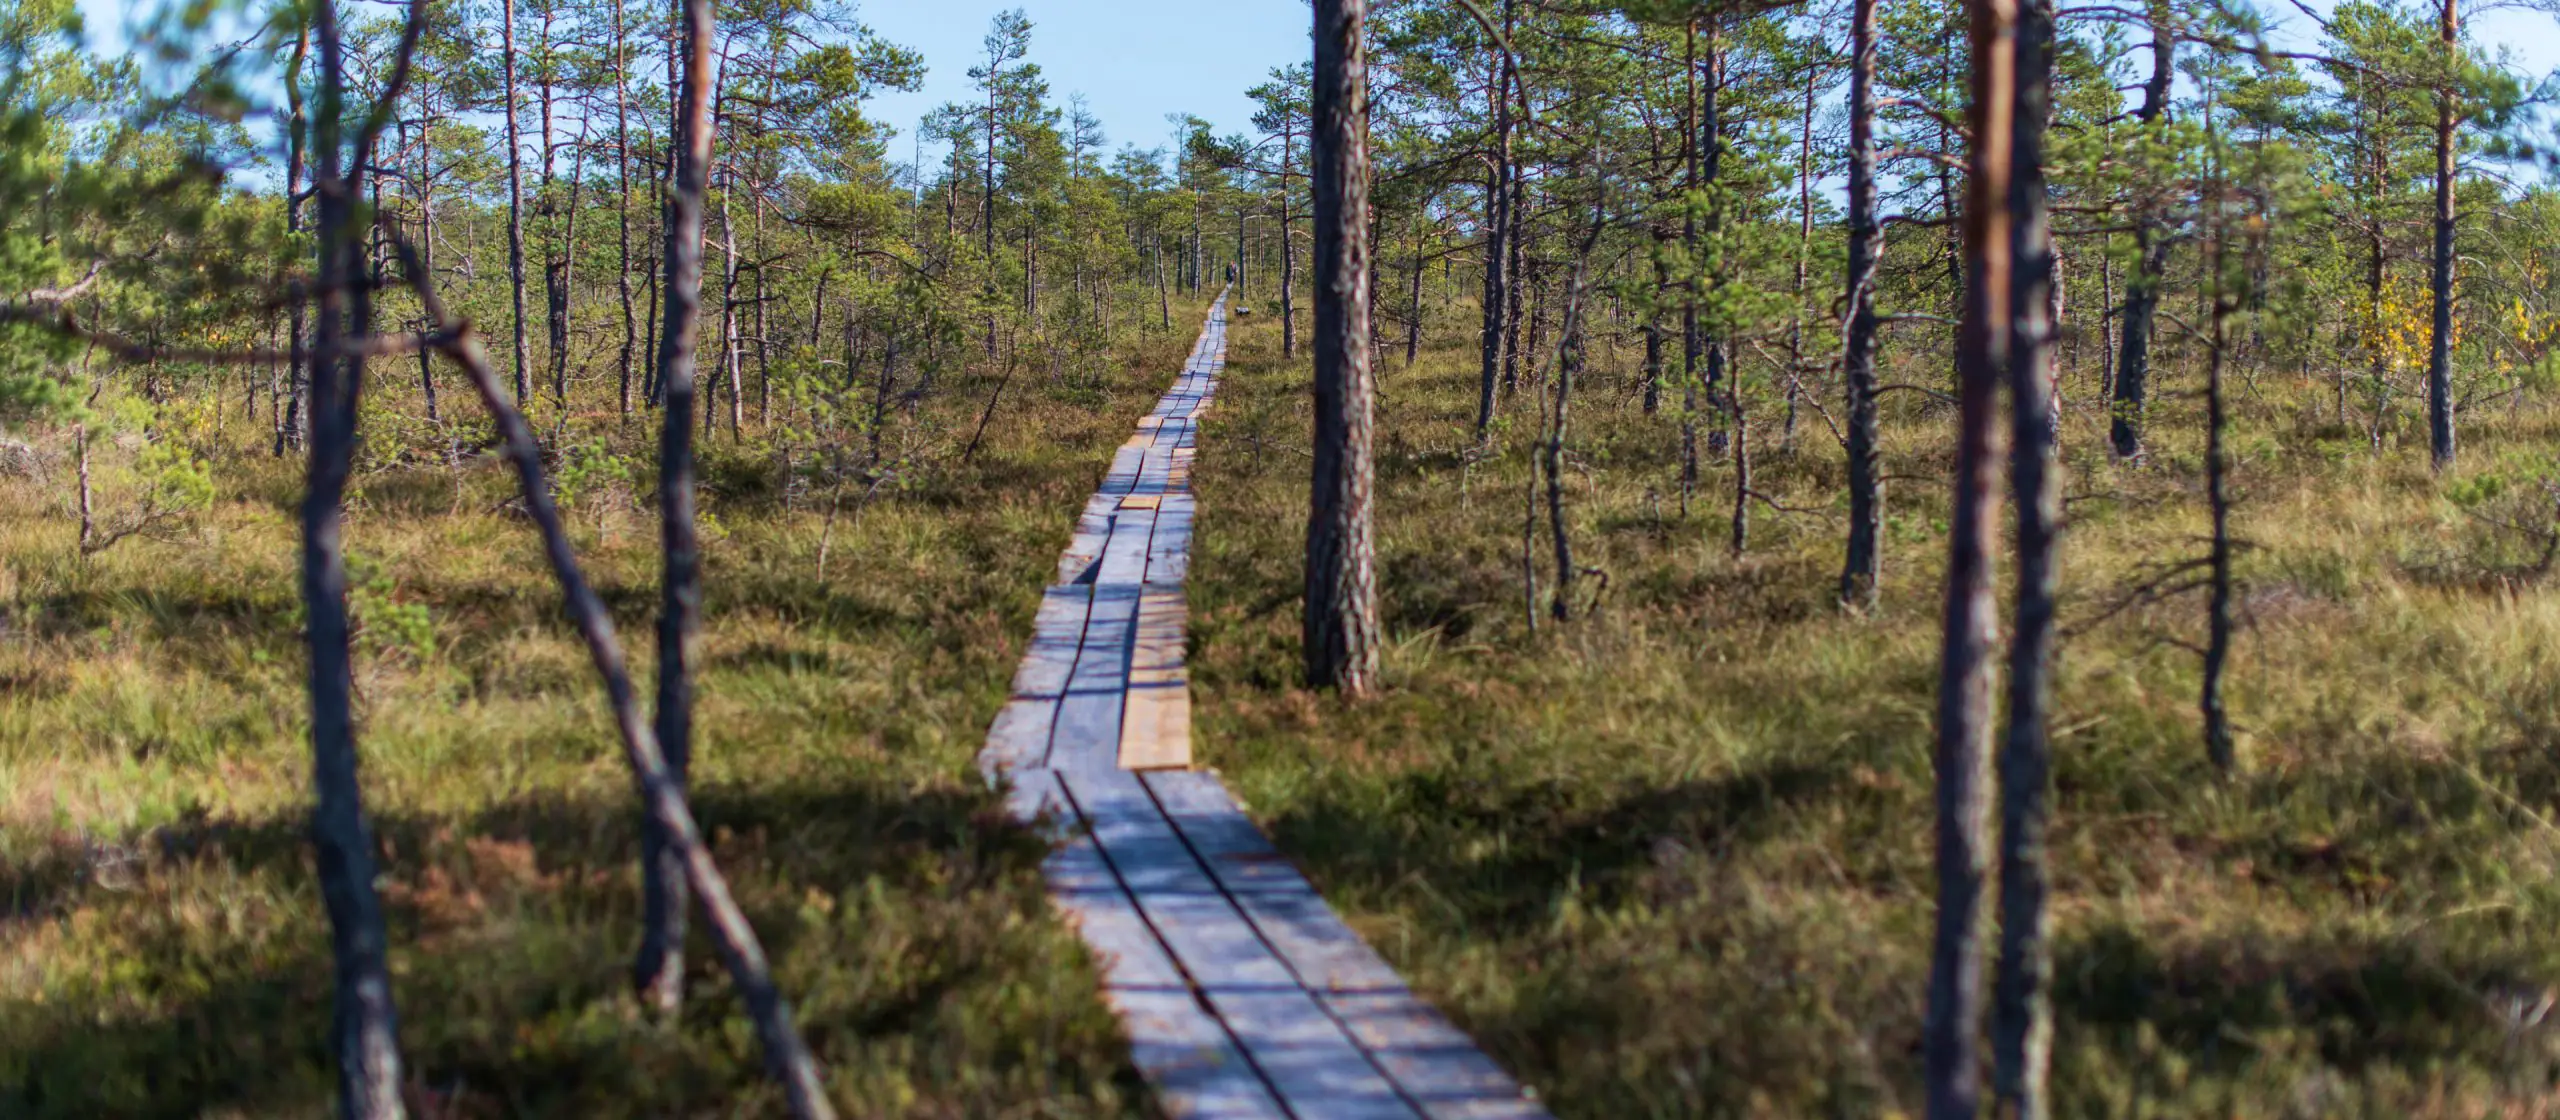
point(162, 947)
point(1672, 858)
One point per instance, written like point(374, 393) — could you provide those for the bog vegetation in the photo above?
point(1858, 557)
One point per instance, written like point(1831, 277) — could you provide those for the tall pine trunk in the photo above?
point(2440, 277)
point(2022, 1013)
point(1950, 1039)
point(1864, 566)
point(1341, 621)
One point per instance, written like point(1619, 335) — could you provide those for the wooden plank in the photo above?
point(1077, 865)
point(1307, 1057)
point(1142, 501)
point(1084, 548)
point(1088, 727)
point(1124, 466)
point(1237, 853)
point(1155, 727)
point(1195, 1067)
point(1434, 1063)
point(1312, 939)
point(1057, 634)
point(1140, 843)
point(1128, 951)
point(1020, 736)
point(1036, 797)
point(1213, 942)
point(1124, 559)
point(1169, 550)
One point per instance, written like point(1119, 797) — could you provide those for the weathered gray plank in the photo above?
point(1308, 1059)
point(1169, 550)
point(1109, 922)
point(1435, 1063)
point(1088, 727)
point(1019, 738)
point(1213, 942)
point(1312, 939)
point(1084, 548)
point(1057, 634)
point(1196, 1069)
point(1077, 865)
point(1124, 559)
point(1143, 847)
point(1237, 853)
point(1036, 796)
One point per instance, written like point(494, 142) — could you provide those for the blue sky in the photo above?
point(1137, 60)
point(1134, 60)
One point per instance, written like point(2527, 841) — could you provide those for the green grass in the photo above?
point(1672, 859)
point(1669, 859)
point(162, 946)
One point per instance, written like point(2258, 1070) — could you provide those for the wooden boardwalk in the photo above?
point(1243, 994)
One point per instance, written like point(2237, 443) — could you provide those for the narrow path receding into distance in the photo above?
point(1243, 994)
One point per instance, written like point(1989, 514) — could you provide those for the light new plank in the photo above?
point(1155, 729)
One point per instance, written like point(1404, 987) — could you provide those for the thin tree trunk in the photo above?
point(515, 203)
point(1864, 566)
point(1689, 337)
point(622, 206)
point(1497, 224)
point(2151, 260)
point(365, 1033)
point(2440, 439)
point(2217, 470)
point(290, 432)
point(2022, 1015)
point(1950, 1042)
point(1289, 257)
point(1341, 624)
point(555, 263)
point(1413, 303)
point(1568, 363)
point(657, 971)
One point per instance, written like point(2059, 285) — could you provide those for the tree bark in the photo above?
point(2440, 440)
point(1341, 621)
point(291, 429)
point(2022, 1015)
point(622, 205)
point(1951, 1046)
point(364, 1036)
point(1497, 289)
point(658, 970)
point(2151, 260)
point(1863, 568)
point(515, 203)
